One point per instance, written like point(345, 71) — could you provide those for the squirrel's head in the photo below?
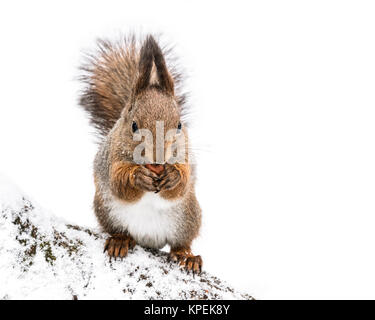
point(153, 113)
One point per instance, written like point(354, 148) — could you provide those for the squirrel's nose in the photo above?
point(157, 168)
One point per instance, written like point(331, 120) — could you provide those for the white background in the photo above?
point(283, 94)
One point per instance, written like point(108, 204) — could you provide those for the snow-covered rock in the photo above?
point(43, 257)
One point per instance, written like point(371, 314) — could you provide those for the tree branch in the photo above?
point(42, 257)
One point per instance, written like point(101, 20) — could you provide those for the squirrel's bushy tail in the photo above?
point(111, 74)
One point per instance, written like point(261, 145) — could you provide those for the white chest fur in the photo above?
point(151, 221)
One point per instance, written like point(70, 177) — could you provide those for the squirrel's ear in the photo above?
point(151, 53)
point(165, 80)
point(145, 67)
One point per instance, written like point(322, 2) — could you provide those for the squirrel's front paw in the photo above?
point(187, 260)
point(118, 245)
point(170, 178)
point(145, 179)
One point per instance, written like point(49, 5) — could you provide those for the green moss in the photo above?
point(48, 255)
point(88, 231)
point(32, 250)
point(70, 245)
point(32, 240)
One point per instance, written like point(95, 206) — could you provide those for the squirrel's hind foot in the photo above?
point(187, 260)
point(118, 245)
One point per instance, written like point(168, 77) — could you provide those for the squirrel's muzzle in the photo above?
point(157, 168)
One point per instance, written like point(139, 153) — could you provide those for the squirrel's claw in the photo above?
point(194, 264)
point(187, 261)
point(119, 246)
point(106, 245)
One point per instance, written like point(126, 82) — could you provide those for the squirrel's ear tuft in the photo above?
point(145, 66)
point(151, 52)
point(165, 79)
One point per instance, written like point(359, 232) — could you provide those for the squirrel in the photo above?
point(129, 87)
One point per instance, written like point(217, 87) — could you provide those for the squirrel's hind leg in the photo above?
point(118, 245)
point(186, 259)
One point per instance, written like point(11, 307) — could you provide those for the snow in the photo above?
point(44, 257)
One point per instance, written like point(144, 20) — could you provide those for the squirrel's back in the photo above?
point(110, 75)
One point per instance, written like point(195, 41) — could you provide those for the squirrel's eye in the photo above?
point(179, 126)
point(134, 126)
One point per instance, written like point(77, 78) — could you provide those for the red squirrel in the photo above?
point(128, 87)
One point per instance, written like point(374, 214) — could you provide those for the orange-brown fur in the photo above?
point(179, 190)
point(122, 181)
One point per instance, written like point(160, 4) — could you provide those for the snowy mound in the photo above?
point(43, 257)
